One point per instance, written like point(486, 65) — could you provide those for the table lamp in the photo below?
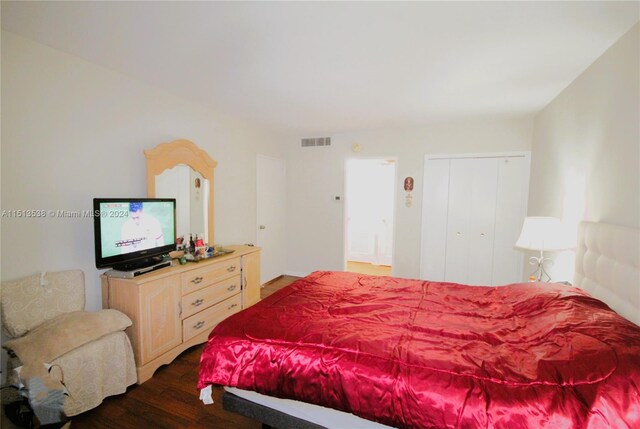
point(542, 234)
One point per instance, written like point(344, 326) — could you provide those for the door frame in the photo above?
point(345, 229)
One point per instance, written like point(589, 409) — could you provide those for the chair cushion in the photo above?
point(64, 333)
point(30, 301)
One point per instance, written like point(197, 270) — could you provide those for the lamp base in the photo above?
point(540, 272)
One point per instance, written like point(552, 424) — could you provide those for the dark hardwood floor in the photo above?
point(170, 398)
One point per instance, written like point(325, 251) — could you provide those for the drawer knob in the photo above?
point(232, 287)
point(231, 268)
point(197, 280)
point(231, 306)
point(197, 302)
point(198, 325)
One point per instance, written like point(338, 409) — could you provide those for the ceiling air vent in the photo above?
point(316, 141)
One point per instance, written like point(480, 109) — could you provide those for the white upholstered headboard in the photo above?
point(608, 266)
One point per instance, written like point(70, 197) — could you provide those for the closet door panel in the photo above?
point(511, 209)
point(461, 177)
point(434, 219)
point(481, 212)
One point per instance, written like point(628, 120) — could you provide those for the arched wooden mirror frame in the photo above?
point(168, 155)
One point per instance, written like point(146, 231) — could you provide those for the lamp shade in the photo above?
point(543, 233)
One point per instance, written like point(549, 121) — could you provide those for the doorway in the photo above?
point(370, 215)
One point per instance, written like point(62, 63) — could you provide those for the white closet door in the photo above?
point(472, 213)
point(511, 209)
point(271, 214)
point(483, 222)
point(471, 220)
point(435, 200)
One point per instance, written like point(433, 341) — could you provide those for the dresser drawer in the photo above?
point(206, 297)
point(197, 279)
point(207, 319)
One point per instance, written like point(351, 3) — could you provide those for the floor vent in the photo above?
point(316, 141)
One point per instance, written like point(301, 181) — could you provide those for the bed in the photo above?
point(410, 353)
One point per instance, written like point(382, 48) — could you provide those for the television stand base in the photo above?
point(137, 272)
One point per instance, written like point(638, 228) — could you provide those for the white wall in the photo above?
point(316, 175)
point(586, 146)
point(72, 131)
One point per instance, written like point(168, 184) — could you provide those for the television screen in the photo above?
point(130, 229)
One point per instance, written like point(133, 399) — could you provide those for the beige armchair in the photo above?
point(89, 352)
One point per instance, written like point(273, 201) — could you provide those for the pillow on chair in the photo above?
point(30, 301)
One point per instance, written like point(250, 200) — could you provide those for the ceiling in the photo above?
point(320, 68)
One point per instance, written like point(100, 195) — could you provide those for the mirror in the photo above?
point(190, 189)
point(183, 171)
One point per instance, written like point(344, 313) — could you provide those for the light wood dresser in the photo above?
point(175, 308)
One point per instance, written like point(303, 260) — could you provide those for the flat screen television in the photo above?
point(133, 233)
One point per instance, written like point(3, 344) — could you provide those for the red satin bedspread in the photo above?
point(417, 354)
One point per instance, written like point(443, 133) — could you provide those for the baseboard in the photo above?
point(273, 280)
point(296, 273)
